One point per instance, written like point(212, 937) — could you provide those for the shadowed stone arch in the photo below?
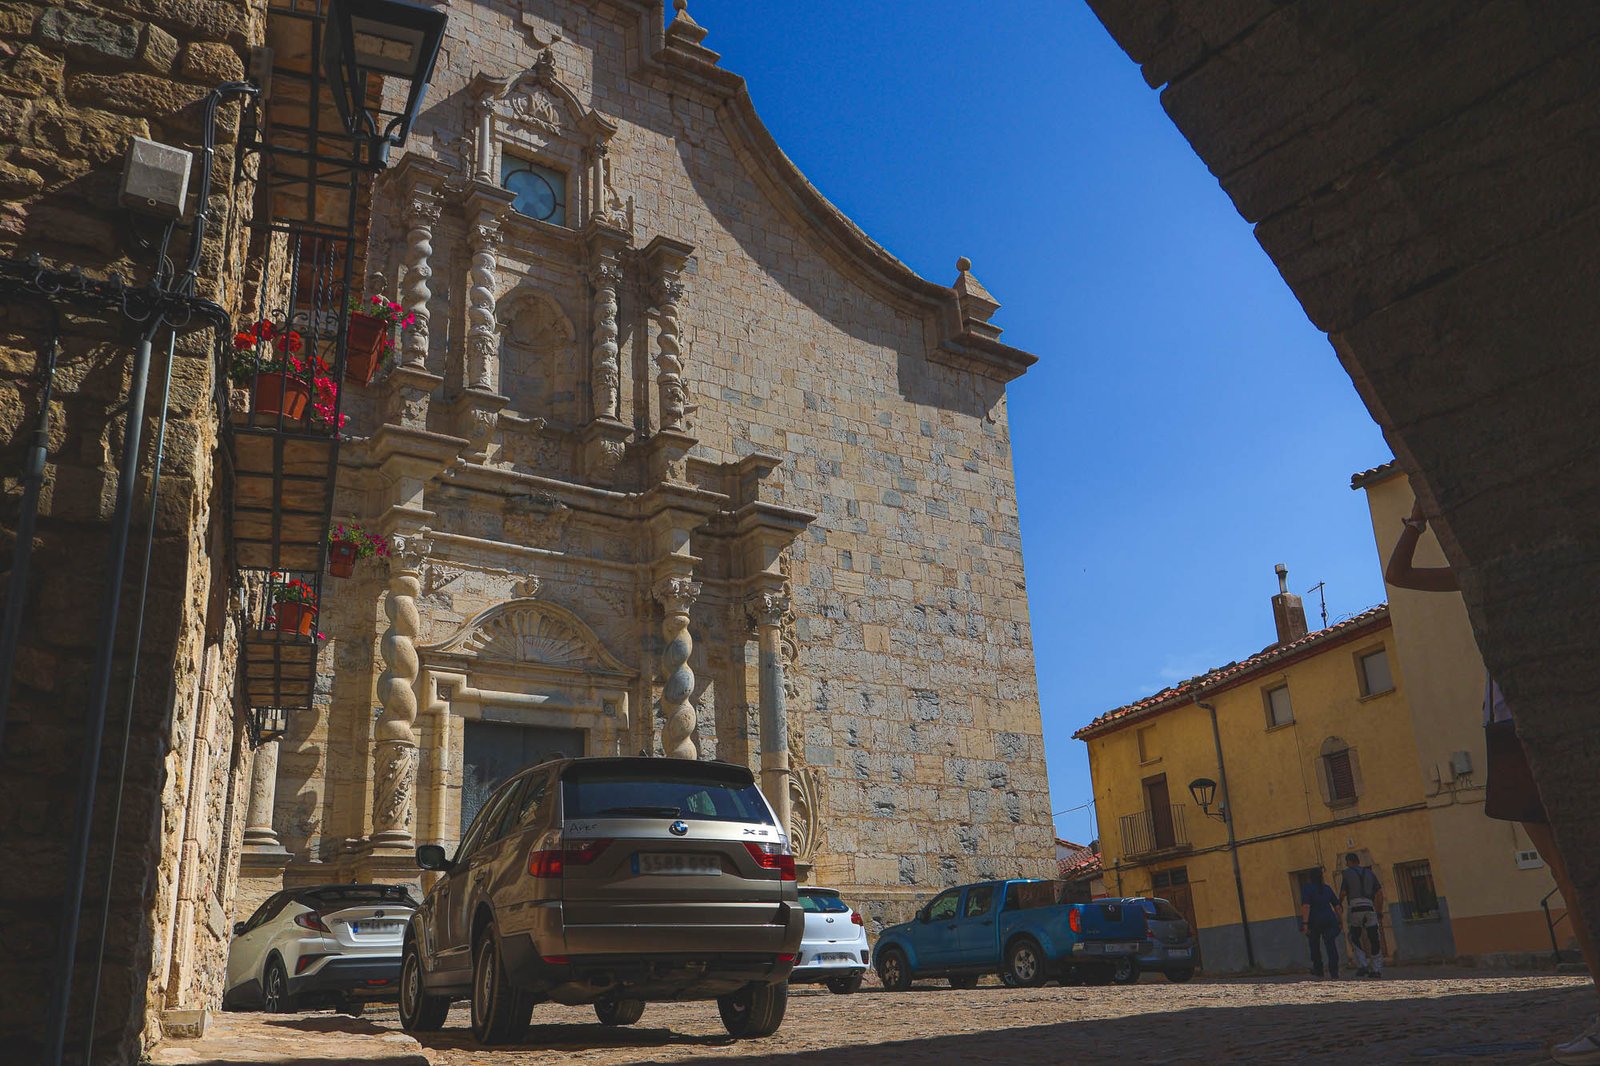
point(539, 357)
point(530, 632)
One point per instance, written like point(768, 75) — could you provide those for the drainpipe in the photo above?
point(1233, 844)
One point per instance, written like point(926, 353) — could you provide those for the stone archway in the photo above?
point(526, 663)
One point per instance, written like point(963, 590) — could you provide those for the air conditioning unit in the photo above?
point(1529, 860)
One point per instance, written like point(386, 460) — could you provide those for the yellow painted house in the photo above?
point(1300, 753)
point(1222, 793)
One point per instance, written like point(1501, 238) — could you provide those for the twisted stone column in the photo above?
point(677, 595)
point(767, 610)
point(423, 214)
point(483, 341)
point(669, 359)
point(394, 790)
point(258, 832)
point(605, 370)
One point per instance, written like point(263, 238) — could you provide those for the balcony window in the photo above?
point(1341, 777)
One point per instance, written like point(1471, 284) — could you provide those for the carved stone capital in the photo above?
point(423, 211)
point(676, 594)
point(409, 551)
point(526, 587)
point(766, 609)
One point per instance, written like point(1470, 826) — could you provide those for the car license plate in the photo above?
point(646, 862)
point(376, 927)
point(1121, 949)
point(834, 958)
point(1177, 953)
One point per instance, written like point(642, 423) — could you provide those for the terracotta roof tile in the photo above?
point(1084, 865)
point(1232, 673)
point(1376, 473)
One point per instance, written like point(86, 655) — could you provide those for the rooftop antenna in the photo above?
point(1322, 598)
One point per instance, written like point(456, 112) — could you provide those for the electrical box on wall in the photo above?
point(1529, 860)
point(1461, 764)
point(155, 178)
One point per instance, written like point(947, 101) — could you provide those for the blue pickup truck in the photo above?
point(1017, 929)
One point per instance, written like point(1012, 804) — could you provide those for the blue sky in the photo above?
point(1186, 427)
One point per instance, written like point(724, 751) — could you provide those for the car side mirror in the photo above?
point(924, 915)
point(432, 857)
point(238, 928)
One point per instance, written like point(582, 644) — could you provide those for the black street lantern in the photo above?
point(1204, 791)
point(390, 38)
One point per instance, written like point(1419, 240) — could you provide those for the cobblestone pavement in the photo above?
point(1415, 1016)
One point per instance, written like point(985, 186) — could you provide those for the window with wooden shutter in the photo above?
point(1341, 777)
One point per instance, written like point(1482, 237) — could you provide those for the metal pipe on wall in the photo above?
point(1233, 844)
point(99, 698)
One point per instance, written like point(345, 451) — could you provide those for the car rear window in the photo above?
point(633, 795)
point(1162, 911)
point(822, 903)
point(352, 895)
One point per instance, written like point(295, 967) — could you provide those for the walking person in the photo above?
point(1362, 897)
point(1319, 921)
point(1511, 794)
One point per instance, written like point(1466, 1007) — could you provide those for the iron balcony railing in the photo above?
point(1151, 831)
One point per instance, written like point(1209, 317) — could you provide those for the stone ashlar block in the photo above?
point(87, 38)
point(160, 49)
point(32, 71)
point(99, 136)
point(210, 63)
point(134, 94)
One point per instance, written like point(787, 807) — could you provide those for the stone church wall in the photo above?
point(913, 708)
point(76, 82)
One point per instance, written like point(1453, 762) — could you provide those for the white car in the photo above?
point(324, 944)
point(834, 950)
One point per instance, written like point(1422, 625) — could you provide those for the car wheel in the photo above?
point(894, 970)
point(1125, 972)
point(963, 981)
point(1025, 963)
point(419, 1012)
point(500, 1013)
point(619, 1011)
point(275, 997)
point(1179, 976)
point(755, 1010)
point(845, 986)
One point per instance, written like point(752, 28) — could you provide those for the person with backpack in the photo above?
point(1319, 921)
point(1362, 896)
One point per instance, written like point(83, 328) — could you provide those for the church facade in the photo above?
point(675, 461)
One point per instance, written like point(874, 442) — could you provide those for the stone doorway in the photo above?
point(493, 751)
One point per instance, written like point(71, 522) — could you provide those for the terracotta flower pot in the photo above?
point(283, 394)
point(364, 353)
point(300, 618)
point(342, 558)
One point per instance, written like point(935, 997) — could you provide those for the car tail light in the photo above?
point(772, 857)
point(313, 921)
point(555, 960)
point(1075, 919)
point(855, 919)
point(786, 958)
point(553, 862)
point(304, 962)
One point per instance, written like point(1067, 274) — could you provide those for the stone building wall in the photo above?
point(76, 81)
point(913, 710)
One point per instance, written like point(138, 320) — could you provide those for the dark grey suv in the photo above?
point(612, 882)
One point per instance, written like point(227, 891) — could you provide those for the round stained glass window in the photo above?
point(540, 193)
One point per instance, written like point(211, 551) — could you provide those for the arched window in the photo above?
point(1340, 773)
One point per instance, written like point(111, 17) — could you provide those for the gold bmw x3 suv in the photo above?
point(613, 882)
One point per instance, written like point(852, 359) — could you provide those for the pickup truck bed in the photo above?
point(1017, 929)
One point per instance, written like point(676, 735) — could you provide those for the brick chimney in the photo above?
point(1288, 613)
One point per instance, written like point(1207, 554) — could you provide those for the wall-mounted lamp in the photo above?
point(1204, 791)
point(389, 38)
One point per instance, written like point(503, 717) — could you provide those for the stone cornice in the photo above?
point(954, 340)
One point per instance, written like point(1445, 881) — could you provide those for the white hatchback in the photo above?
point(333, 945)
point(834, 950)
